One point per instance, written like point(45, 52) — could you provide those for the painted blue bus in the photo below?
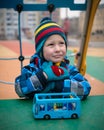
point(56, 105)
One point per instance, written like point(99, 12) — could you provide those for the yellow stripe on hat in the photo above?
point(44, 26)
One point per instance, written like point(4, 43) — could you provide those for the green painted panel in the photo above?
point(17, 115)
point(95, 67)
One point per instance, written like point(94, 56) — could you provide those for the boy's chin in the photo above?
point(58, 61)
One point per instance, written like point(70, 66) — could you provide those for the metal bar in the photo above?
point(89, 18)
point(42, 7)
point(15, 58)
point(20, 41)
point(5, 82)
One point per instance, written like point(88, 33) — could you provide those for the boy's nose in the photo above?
point(57, 48)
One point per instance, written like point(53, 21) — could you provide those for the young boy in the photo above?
point(49, 69)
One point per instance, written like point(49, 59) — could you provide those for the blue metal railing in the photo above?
point(43, 7)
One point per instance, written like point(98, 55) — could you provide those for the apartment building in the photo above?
point(29, 21)
point(98, 24)
point(8, 24)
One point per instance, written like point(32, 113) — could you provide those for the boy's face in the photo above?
point(54, 49)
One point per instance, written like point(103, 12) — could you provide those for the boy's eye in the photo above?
point(62, 42)
point(50, 44)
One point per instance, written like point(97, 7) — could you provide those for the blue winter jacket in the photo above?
point(33, 81)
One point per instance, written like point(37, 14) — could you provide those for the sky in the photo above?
point(68, 13)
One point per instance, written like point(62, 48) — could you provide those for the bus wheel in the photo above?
point(74, 116)
point(46, 117)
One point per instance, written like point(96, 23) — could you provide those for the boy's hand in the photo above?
point(54, 72)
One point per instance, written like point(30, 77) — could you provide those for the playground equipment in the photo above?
point(90, 7)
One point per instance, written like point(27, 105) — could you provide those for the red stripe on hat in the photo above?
point(46, 32)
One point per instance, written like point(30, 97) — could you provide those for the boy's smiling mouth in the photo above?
point(58, 56)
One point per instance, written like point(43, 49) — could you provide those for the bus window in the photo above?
point(50, 106)
point(64, 106)
point(36, 109)
point(71, 106)
point(42, 107)
point(58, 106)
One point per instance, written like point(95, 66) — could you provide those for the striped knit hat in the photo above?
point(47, 28)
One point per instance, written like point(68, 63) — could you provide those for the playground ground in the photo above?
point(9, 69)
